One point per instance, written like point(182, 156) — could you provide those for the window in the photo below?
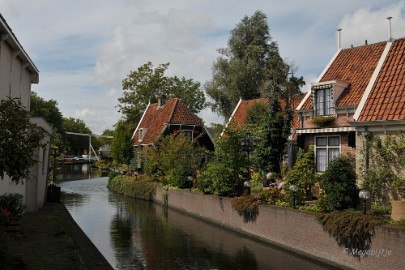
point(141, 134)
point(327, 148)
point(323, 102)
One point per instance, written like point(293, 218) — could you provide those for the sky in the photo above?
point(84, 49)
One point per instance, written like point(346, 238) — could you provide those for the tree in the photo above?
point(250, 67)
point(173, 158)
point(274, 136)
point(147, 84)
point(121, 145)
point(77, 144)
point(19, 138)
point(224, 174)
point(339, 184)
point(48, 109)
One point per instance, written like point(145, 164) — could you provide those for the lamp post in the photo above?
point(364, 195)
point(190, 182)
point(293, 189)
point(248, 144)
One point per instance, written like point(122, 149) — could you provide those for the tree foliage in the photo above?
point(303, 174)
point(75, 144)
point(47, 109)
point(224, 174)
point(250, 67)
point(147, 84)
point(272, 144)
point(172, 159)
point(339, 185)
point(19, 138)
point(386, 175)
point(121, 145)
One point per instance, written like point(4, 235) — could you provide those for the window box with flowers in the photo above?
point(323, 121)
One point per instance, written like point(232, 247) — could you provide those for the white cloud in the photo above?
point(372, 25)
point(84, 49)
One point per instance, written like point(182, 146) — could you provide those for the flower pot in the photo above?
point(398, 209)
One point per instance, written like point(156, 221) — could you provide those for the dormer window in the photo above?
point(323, 99)
point(141, 134)
point(325, 95)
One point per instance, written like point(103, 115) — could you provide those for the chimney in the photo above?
point(365, 42)
point(339, 38)
point(161, 101)
point(389, 28)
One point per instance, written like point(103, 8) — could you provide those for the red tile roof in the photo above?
point(386, 100)
point(354, 66)
point(155, 119)
point(239, 116)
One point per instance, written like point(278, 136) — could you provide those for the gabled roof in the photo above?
point(238, 117)
point(155, 120)
point(354, 66)
point(7, 35)
point(386, 100)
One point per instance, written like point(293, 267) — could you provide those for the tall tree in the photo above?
point(274, 137)
point(121, 145)
point(250, 67)
point(147, 84)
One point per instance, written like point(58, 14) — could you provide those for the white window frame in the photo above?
point(322, 167)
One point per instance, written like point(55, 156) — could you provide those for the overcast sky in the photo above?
point(84, 49)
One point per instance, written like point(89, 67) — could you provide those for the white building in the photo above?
point(17, 74)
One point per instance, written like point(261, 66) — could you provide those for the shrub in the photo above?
point(322, 121)
point(303, 175)
point(219, 179)
point(271, 196)
point(13, 203)
point(339, 184)
point(351, 229)
point(247, 206)
point(128, 186)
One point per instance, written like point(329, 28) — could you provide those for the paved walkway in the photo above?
point(51, 239)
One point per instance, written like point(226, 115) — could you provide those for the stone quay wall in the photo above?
point(293, 230)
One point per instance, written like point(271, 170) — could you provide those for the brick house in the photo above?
point(168, 117)
point(363, 89)
point(238, 120)
point(17, 74)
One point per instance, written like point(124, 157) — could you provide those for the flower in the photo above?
point(5, 212)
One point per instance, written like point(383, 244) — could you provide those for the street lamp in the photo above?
point(190, 182)
point(364, 195)
point(293, 189)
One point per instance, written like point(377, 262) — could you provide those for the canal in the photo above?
point(135, 234)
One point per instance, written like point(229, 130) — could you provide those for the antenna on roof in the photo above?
point(389, 28)
point(339, 39)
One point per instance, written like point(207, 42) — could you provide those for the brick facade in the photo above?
point(291, 229)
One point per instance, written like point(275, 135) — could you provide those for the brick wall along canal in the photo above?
point(134, 234)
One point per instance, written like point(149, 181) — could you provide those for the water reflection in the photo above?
point(135, 234)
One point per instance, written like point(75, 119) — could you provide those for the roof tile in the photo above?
point(389, 87)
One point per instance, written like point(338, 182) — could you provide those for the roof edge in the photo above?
point(319, 78)
point(372, 80)
point(140, 121)
point(230, 118)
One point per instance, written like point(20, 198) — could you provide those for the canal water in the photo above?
point(136, 234)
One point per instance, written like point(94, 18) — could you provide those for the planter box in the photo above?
point(398, 209)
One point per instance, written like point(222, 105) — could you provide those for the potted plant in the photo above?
point(323, 120)
point(12, 203)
